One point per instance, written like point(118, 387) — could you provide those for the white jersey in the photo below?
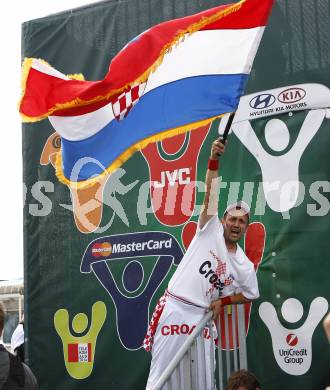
point(208, 271)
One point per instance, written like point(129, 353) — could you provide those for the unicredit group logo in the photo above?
point(102, 249)
point(262, 101)
point(292, 340)
point(293, 348)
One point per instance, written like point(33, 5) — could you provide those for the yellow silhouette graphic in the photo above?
point(79, 351)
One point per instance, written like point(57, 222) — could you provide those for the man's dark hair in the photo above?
point(2, 317)
point(243, 378)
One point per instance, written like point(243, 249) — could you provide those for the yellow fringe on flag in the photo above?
point(26, 66)
point(180, 36)
point(127, 154)
point(76, 76)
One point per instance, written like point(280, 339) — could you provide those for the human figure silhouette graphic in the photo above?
point(132, 305)
point(79, 351)
point(280, 173)
point(172, 180)
point(132, 309)
point(293, 347)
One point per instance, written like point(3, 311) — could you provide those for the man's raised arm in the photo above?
point(210, 204)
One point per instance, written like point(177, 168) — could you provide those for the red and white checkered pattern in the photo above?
point(149, 338)
point(127, 100)
point(228, 281)
point(220, 272)
point(221, 268)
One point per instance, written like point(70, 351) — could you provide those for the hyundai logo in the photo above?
point(262, 101)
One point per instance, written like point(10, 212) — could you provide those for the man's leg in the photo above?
point(175, 324)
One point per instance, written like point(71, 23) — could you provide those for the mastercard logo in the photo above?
point(102, 249)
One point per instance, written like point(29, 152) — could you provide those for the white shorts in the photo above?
point(176, 322)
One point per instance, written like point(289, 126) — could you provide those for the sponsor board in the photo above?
point(79, 349)
point(281, 100)
point(172, 167)
point(132, 307)
point(292, 348)
point(279, 159)
point(139, 244)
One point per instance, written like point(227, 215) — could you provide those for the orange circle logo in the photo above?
point(103, 249)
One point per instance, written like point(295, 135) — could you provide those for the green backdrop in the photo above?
point(69, 267)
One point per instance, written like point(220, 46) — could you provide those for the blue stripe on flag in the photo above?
point(169, 106)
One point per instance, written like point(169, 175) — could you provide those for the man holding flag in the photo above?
point(214, 272)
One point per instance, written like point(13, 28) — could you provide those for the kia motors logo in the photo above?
point(291, 95)
point(262, 101)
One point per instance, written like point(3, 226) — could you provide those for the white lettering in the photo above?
point(171, 177)
point(182, 176)
point(182, 172)
point(45, 202)
point(143, 199)
point(116, 248)
point(312, 210)
point(137, 246)
point(168, 243)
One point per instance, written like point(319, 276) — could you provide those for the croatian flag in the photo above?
point(172, 78)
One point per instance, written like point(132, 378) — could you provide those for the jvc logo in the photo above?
point(262, 101)
point(182, 176)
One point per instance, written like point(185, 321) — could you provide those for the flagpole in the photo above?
point(228, 126)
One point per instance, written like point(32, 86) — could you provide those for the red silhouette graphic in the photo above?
point(172, 180)
point(188, 233)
